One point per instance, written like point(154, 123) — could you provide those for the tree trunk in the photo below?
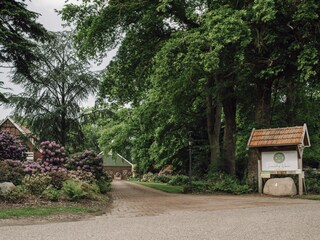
point(213, 126)
point(291, 102)
point(263, 103)
point(263, 120)
point(229, 138)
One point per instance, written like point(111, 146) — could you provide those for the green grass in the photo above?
point(42, 211)
point(312, 197)
point(162, 187)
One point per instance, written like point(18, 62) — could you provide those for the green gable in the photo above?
point(110, 160)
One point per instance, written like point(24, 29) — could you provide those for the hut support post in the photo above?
point(259, 177)
point(300, 177)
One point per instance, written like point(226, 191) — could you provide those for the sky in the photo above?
point(52, 22)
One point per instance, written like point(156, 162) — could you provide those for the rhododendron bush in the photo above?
point(53, 159)
point(11, 147)
point(88, 161)
point(46, 177)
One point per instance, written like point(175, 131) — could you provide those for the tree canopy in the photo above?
point(212, 68)
point(60, 83)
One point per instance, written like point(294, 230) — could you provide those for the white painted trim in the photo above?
point(305, 134)
point(101, 153)
point(125, 159)
point(253, 130)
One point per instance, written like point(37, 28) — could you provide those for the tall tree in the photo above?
point(51, 102)
point(19, 34)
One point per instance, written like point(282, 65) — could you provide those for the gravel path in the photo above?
point(143, 213)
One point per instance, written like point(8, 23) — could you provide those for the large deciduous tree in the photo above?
point(51, 101)
point(223, 66)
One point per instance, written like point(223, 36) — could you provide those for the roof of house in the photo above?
point(114, 160)
point(289, 136)
point(23, 129)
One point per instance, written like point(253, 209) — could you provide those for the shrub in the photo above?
point(11, 171)
point(79, 175)
point(51, 194)
point(53, 159)
point(88, 161)
point(73, 190)
point(104, 185)
point(36, 183)
point(312, 179)
point(58, 178)
point(11, 147)
point(230, 185)
point(18, 195)
point(53, 153)
point(221, 182)
point(161, 178)
point(148, 177)
point(179, 180)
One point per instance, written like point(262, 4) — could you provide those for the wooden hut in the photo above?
point(24, 134)
point(279, 151)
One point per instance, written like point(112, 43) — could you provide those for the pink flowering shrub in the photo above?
point(88, 161)
point(79, 175)
point(11, 147)
point(53, 159)
point(53, 153)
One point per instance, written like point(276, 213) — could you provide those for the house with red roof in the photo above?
point(23, 133)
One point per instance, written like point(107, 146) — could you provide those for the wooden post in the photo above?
point(300, 177)
point(259, 177)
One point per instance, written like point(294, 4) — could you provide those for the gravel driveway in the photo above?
point(143, 213)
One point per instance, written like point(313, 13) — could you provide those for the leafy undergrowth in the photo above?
point(43, 211)
point(162, 187)
point(312, 197)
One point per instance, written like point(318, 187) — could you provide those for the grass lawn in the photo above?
point(42, 211)
point(311, 197)
point(162, 187)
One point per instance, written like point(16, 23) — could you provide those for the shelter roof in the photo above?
point(289, 136)
point(22, 129)
point(114, 160)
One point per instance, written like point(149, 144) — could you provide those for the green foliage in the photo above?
point(104, 185)
point(20, 35)
point(51, 194)
point(50, 101)
point(57, 179)
point(179, 180)
point(312, 179)
point(11, 171)
point(163, 187)
point(161, 178)
point(42, 211)
point(148, 177)
point(185, 59)
point(73, 190)
point(18, 195)
point(221, 182)
point(36, 183)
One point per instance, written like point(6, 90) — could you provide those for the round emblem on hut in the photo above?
point(279, 157)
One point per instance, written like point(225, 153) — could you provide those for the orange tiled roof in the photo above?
point(277, 137)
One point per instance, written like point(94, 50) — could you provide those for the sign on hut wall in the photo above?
point(279, 161)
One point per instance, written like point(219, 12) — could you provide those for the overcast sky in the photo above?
point(52, 22)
